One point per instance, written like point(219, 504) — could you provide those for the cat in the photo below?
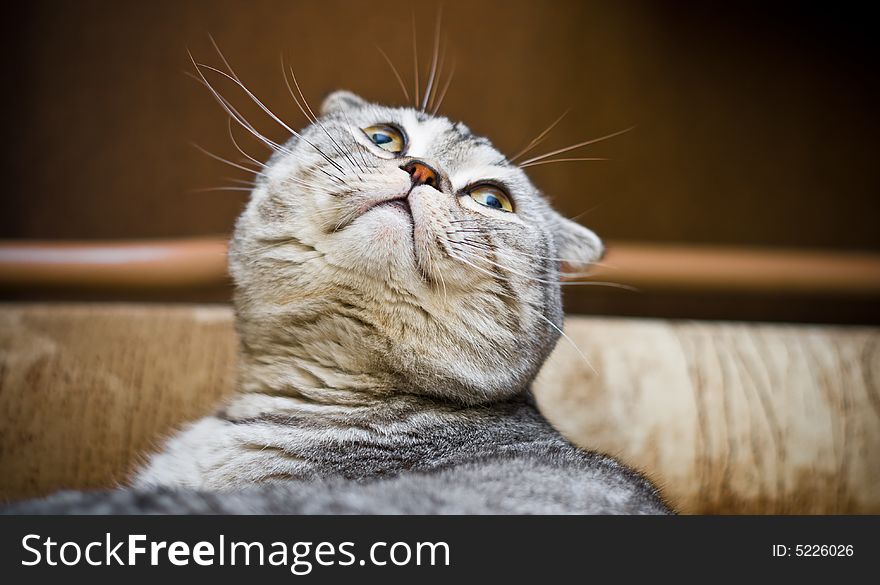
point(396, 292)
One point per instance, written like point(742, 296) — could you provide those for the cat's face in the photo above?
point(392, 240)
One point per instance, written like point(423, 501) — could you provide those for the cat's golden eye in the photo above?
point(386, 137)
point(491, 196)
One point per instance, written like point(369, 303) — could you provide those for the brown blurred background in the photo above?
point(756, 125)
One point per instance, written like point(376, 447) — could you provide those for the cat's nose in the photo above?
point(421, 173)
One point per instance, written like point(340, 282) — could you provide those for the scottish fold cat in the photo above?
point(397, 289)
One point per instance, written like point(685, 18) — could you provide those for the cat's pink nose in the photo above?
point(421, 174)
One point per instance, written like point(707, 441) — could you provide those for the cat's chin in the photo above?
point(384, 236)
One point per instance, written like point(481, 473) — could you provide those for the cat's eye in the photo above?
point(386, 137)
point(491, 196)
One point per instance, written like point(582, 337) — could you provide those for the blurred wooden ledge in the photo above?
point(201, 262)
point(114, 264)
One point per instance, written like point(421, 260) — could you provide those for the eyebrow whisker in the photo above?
point(396, 73)
point(433, 71)
point(415, 60)
point(574, 146)
point(557, 160)
point(540, 137)
point(445, 89)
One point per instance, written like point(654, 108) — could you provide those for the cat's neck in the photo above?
point(293, 378)
point(288, 386)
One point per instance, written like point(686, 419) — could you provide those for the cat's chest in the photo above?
point(362, 455)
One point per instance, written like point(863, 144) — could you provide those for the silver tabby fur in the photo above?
point(386, 353)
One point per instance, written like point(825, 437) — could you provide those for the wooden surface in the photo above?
point(728, 418)
point(150, 264)
point(86, 389)
point(175, 263)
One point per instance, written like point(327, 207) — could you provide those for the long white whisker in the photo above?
point(247, 189)
point(433, 72)
point(314, 117)
point(236, 115)
point(415, 61)
point(573, 146)
point(239, 148)
point(226, 161)
point(557, 160)
point(519, 253)
point(445, 45)
point(445, 89)
point(358, 146)
point(242, 121)
point(273, 116)
point(541, 280)
point(573, 344)
point(486, 248)
point(235, 78)
point(540, 137)
point(396, 73)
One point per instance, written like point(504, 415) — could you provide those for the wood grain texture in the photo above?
point(86, 389)
point(727, 417)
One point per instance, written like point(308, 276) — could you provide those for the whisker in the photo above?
point(467, 230)
point(573, 146)
point(239, 148)
point(415, 60)
point(396, 73)
point(509, 269)
point(540, 137)
point(223, 160)
point(556, 160)
point(585, 212)
point(236, 115)
point(235, 78)
point(314, 118)
point(439, 73)
point(573, 344)
point(297, 180)
point(242, 121)
point(359, 147)
point(487, 248)
point(445, 89)
point(248, 189)
point(569, 260)
point(433, 71)
point(273, 116)
point(541, 280)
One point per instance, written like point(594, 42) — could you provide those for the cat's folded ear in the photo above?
point(578, 246)
point(341, 101)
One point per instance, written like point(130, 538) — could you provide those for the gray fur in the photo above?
point(386, 357)
point(543, 481)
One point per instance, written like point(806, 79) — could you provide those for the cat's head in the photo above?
point(395, 243)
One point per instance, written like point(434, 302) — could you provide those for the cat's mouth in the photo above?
point(399, 203)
